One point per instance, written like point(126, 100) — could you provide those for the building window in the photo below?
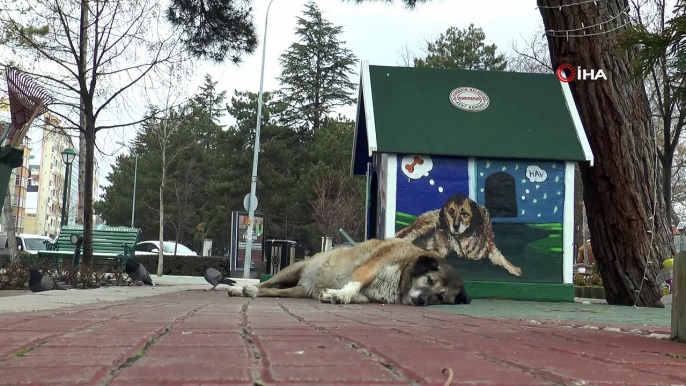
point(15, 200)
point(17, 180)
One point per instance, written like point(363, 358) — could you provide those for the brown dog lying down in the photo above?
point(379, 271)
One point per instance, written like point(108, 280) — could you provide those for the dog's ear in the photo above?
point(463, 298)
point(477, 217)
point(442, 223)
point(424, 264)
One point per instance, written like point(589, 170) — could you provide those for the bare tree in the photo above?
point(679, 180)
point(407, 56)
point(163, 131)
point(334, 203)
point(530, 54)
point(89, 54)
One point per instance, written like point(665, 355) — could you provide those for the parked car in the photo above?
point(152, 247)
point(26, 243)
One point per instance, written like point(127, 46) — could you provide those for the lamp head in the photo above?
point(68, 156)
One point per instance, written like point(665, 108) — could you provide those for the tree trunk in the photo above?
point(579, 221)
point(78, 216)
point(623, 189)
point(176, 244)
point(667, 184)
point(83, 52)
point(88, 189)
point(160, 259)
point(10, 223)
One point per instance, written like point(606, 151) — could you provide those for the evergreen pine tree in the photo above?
point(215, 29)
point(316, 69)
point(462, 49)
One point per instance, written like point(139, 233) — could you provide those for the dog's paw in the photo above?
point(345, 294)
point(325, 297)
point(235, 291)
point(250, 291)
point(332, 296)
point(516, 271)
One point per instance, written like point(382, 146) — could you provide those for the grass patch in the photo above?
point(21, 353)
point(133, 358)
point(673, 355)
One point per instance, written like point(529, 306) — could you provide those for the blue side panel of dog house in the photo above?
point(430, 184)
point(521, 190)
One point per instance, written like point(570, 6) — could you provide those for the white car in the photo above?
point(26, 243)
point(153, 247)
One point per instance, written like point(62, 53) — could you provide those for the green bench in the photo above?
point(112, 246)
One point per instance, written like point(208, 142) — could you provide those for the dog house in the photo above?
point(477, 165)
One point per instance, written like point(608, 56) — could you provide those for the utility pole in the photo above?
point(256, 152)
point(135, 179)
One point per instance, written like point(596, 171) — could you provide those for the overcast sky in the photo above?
point(375, 32)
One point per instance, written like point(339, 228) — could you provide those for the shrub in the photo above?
point(15, 275)
point(596, 280)
point(580, 280)
point(192, 265)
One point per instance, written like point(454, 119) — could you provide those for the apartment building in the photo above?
point(37, 186)
point(18, 179)
point(30, 222)
point(21, 182)
point(51, 178)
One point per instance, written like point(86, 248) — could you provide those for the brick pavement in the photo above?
point(196, 337)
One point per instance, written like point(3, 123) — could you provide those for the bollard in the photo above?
point(679, 298)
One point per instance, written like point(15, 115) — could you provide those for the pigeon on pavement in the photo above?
point(215, 277)
point(39, 282)
point(137, 272)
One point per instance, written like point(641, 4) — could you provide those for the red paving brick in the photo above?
point(197, 337)
point(80, 375)
point(30, 361)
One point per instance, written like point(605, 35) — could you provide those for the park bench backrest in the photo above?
point(105, 240)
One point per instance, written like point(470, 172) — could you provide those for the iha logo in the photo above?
point(571, 73)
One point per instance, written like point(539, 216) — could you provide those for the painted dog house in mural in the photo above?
point(478, 166)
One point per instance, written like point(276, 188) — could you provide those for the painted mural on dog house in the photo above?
point(478, 166)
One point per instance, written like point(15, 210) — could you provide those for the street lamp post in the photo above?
point(68, 156)
point(135, 178)
point(256, 151)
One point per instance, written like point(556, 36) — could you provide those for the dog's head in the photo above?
point(435, 281)
point(460, 213)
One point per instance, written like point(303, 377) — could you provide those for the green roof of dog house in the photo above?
point(407, 110)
